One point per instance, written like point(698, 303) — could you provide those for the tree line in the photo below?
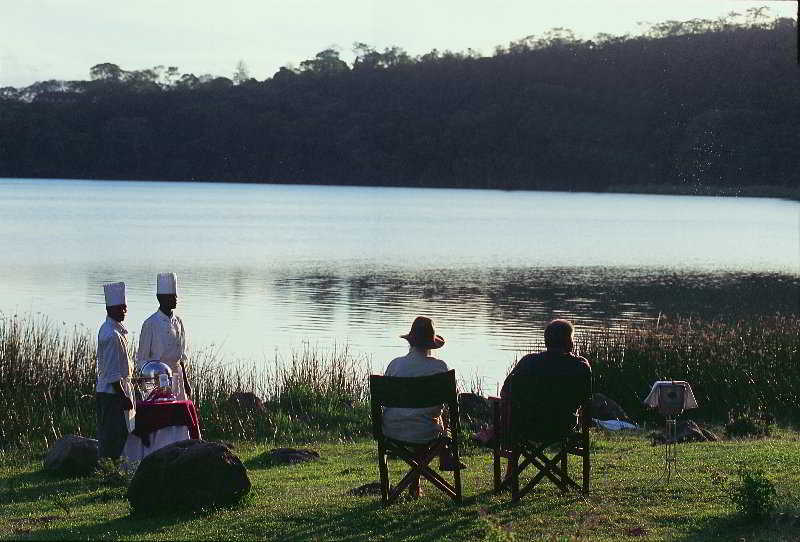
point(689, 103)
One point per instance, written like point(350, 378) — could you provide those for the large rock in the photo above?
point(605, 408)
point(72, 455)
point(185, 475)
point(373, 488)
point(475, 408)
point(685, 431)
point(289, 456)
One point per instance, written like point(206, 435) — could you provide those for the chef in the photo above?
point(114, 393)
point(163, 336)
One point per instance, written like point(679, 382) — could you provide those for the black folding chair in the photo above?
point(416, 392)
point(518, 437)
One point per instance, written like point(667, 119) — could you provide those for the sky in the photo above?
point(62, 39)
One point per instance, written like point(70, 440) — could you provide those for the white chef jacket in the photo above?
point(164, 338)
point(113, 362)
point(418, 425)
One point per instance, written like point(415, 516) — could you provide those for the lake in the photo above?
point(266, 269)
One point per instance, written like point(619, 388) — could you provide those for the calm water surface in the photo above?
point(265, 269)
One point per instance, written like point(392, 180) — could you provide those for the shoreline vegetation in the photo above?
point(47, 379)
point(760, 191)
point(692, 107)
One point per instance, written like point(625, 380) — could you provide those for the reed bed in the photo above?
point(47, 379)
point(738, 367)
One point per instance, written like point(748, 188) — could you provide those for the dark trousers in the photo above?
point(112, 427)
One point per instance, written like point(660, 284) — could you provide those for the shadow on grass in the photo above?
point(32, 486)
point(121, 527)
point(433, 517)
point(735, 527)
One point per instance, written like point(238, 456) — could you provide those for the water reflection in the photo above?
point(264, 269)
point(487, 315)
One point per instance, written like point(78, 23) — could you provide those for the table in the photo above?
point(158, 424)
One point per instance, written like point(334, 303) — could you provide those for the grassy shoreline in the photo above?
point(47, 376)
point(311, 501)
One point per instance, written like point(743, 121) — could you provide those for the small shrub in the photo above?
point(754, 494)
point(746, 426)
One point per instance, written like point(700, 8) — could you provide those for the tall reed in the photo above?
point(751, 364)
point(47, 379)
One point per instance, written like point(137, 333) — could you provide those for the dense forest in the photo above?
point(690, 104)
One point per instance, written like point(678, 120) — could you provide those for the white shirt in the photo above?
point(414, 424)
point(162, 338)
point(113, 362)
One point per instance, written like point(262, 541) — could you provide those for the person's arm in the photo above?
point(127, 404)
point(182, 358)
point(114, 355)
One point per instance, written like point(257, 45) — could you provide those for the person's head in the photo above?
point(167, 291)
point(117, 312)
point(422, 336)
point(558, 336)
point(167, 301)
point(116, 300)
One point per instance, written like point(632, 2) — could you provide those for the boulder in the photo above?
point(289, 456)
point(474, 407)
point(605, 408)
point(685, 431)
point(187, 475)
point(246, 401)
point(72, 455)
point(373, 488)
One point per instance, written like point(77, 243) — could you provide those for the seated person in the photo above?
point(545, 390)
point(417, 425)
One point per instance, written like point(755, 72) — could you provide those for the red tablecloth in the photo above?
point(151, 416)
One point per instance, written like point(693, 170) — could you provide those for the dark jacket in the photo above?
point(545, 391)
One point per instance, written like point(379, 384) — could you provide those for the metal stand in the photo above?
point(670, 452)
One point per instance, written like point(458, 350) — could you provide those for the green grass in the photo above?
point(310, 501)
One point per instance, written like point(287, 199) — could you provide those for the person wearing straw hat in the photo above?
point(163, 336)
point(418, 425)
point(114, 393)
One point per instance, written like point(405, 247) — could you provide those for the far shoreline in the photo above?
point(756, 191)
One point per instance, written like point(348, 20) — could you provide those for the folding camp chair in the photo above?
point(416, 392)
point(515, 441)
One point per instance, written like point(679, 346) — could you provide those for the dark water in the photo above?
point(267, 269)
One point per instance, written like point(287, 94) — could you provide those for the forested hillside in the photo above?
point(692, 104)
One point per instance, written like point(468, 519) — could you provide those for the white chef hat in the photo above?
point(167, 283)
point(115, 294)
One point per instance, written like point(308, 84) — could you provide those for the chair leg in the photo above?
point(514, 464)
point(586, 470)
point(457, 472)
point(496, 465)
point(383, 471)
point(496, 444)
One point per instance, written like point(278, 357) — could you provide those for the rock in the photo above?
point(72, 455)
point(289, 456)
point(605, 408)
point(246, 401)
point(685, 431)
point(709, 435)
point(373, 488)
point(474, 407)
point(187, 475)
